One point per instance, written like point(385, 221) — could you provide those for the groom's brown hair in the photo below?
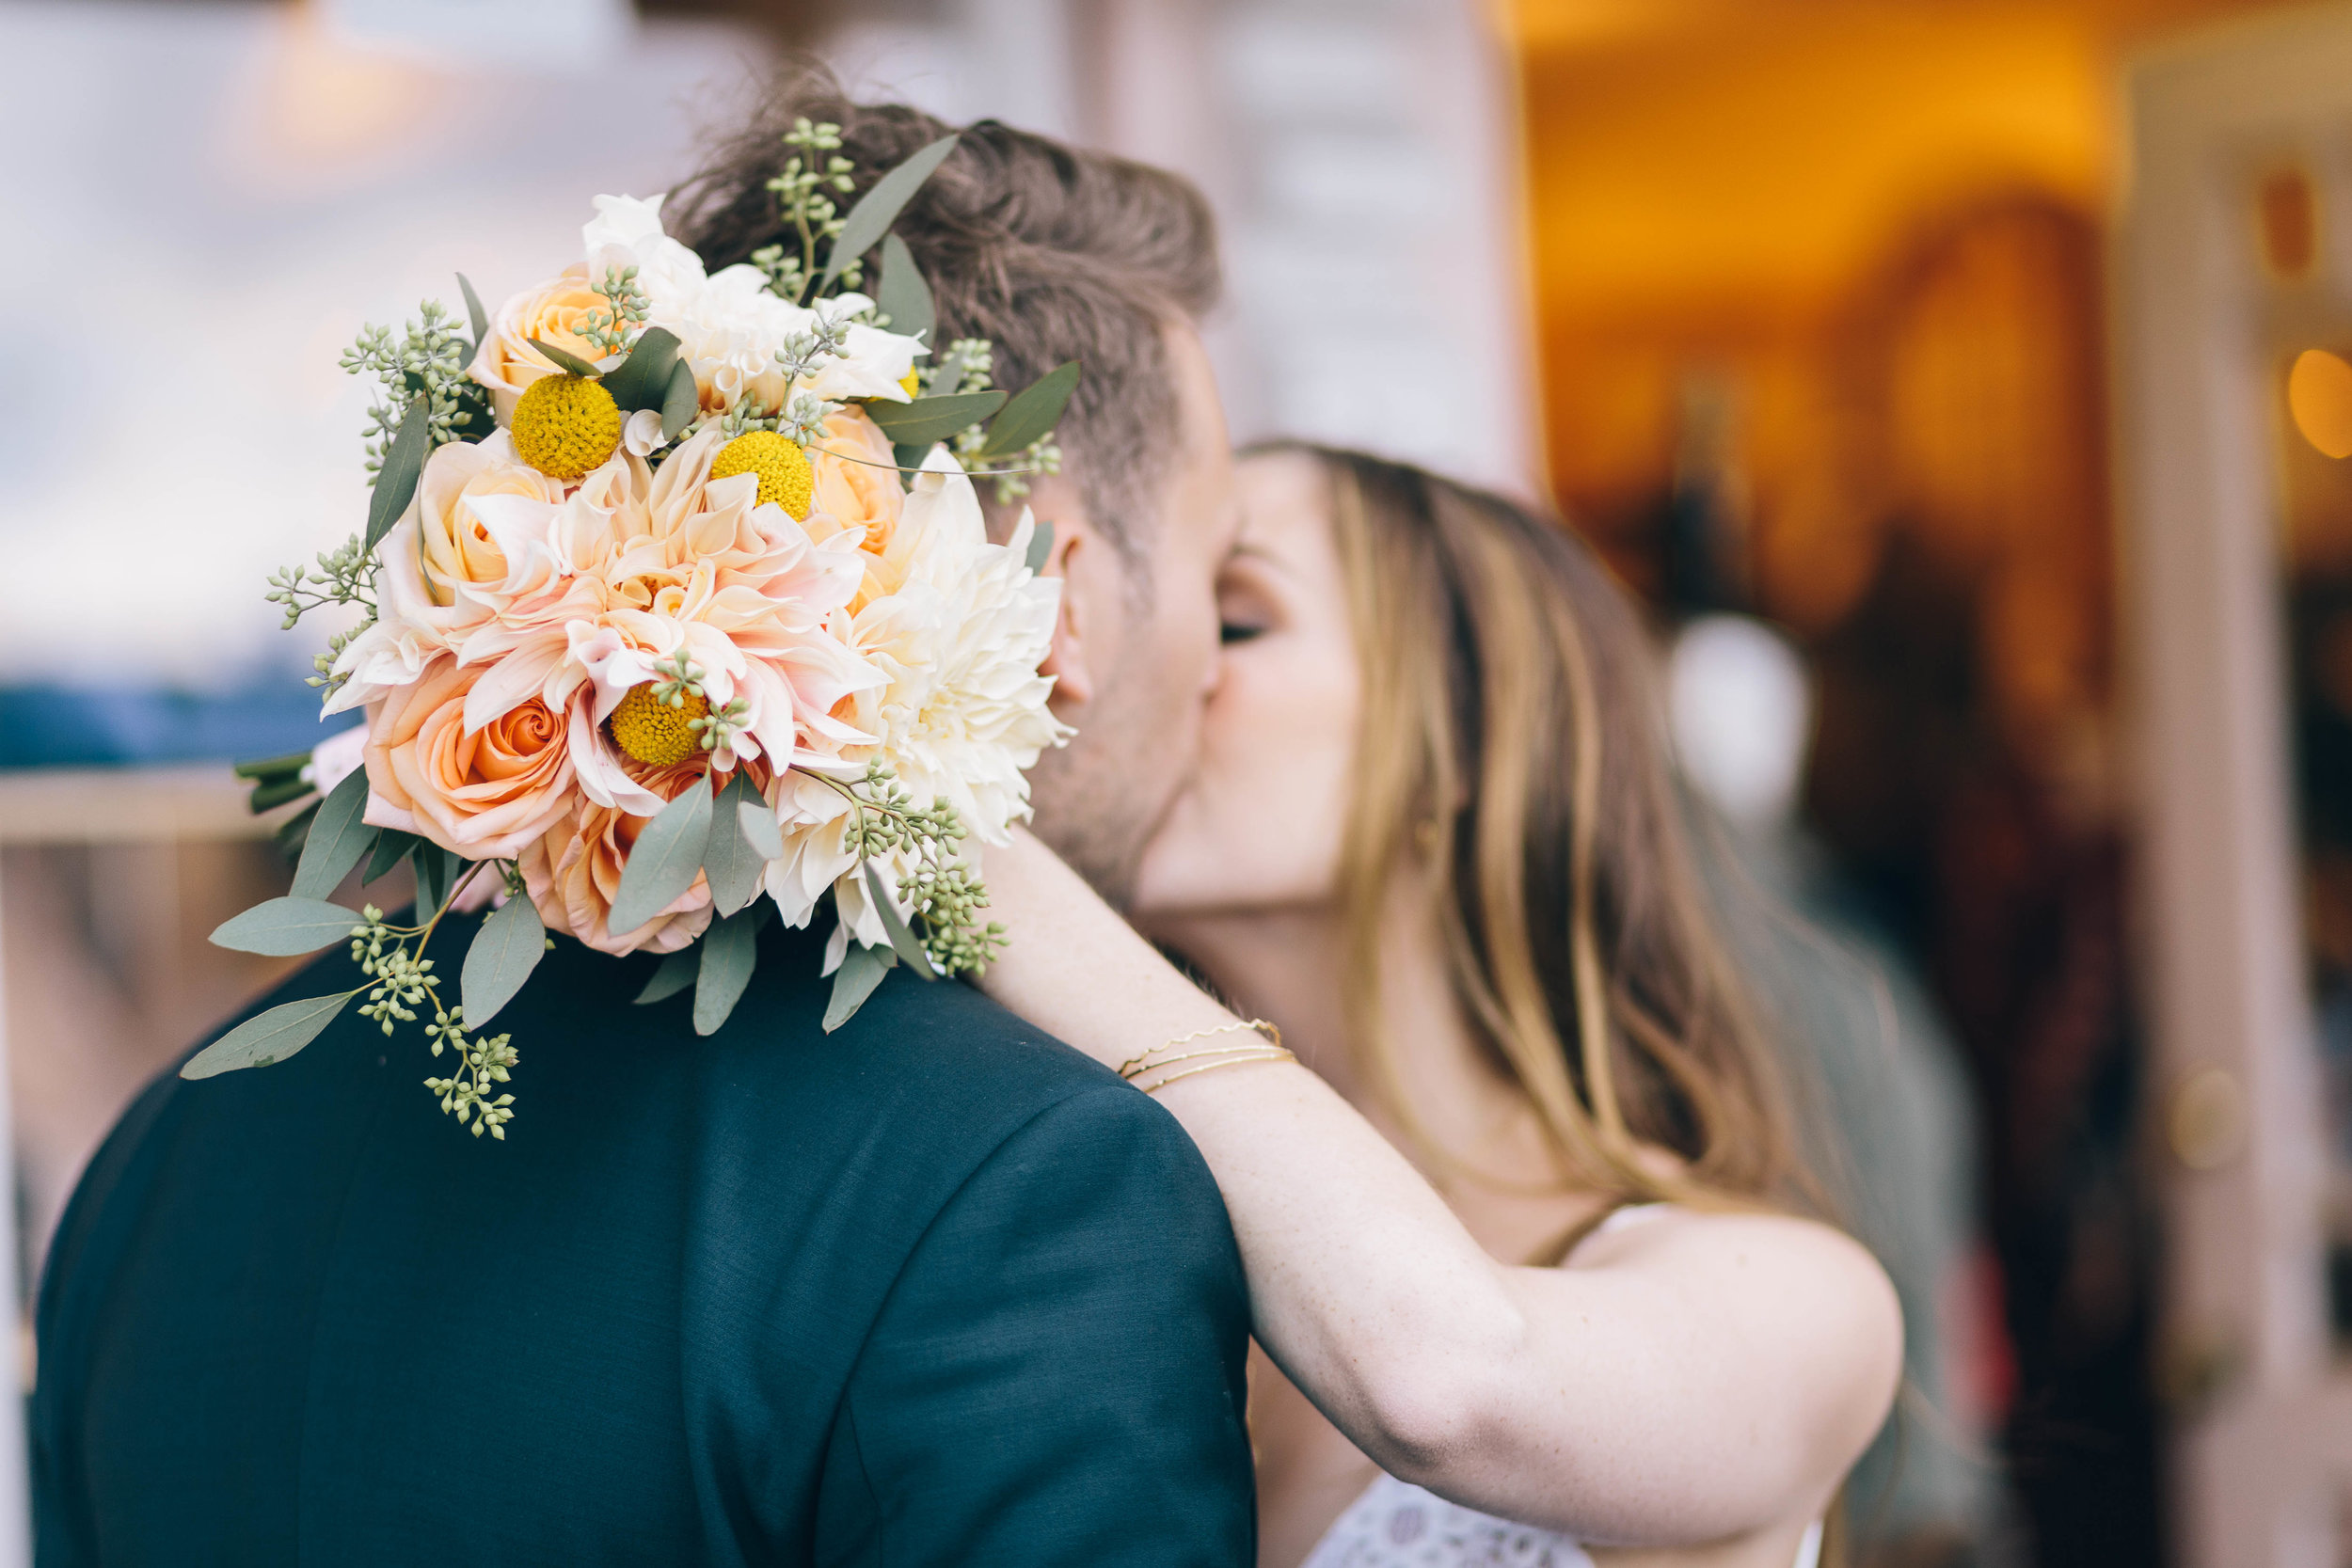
point(1049, 252)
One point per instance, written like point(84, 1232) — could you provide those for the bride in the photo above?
point(1521, 1222)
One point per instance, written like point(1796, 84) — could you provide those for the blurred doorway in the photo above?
point(2238, 577)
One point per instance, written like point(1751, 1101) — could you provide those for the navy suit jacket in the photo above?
point(931, 1290)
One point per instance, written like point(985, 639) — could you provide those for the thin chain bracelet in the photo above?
point(1155, 1060)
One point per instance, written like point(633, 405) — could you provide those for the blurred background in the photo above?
point(1924, 365)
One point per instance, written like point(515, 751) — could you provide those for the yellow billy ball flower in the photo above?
point(784, 476)
point(566, 426)
point(652, 731)
point(912, 381)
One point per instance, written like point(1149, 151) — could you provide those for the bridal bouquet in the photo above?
point(676, 611)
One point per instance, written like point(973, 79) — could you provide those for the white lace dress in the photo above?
point(1398, 1525)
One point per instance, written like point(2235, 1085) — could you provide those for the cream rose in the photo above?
point(506, 363)
point(453, 544)
point(574, 872)
point(486, 794)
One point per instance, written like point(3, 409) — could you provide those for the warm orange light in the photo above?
point(2319, 395)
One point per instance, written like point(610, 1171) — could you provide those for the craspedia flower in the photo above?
point(912, 381)
point(784, 476)
point(566, 426)
point(652, 731)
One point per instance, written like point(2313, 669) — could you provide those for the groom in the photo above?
point(933, 1290)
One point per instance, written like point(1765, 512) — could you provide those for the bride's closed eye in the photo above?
point(1230, 631)
point(1246, 607)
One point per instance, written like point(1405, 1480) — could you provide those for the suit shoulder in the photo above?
point(949, 1044)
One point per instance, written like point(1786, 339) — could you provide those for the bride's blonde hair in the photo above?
point(1513, 746)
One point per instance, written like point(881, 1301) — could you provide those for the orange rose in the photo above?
point(574, 874)
point(488, 795)
point(861, 499)
point(506, 363)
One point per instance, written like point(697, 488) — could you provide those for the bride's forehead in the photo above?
point(1283, 495)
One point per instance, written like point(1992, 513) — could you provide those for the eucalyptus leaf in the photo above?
point(903, 295)
point(879, 208)
point(733, 868)
point(504, 951)
point(663, 864)
point(285, 927)
point(1041, 546)
point(293, 833)
point(910, 455)
point(390, 844)
point(437, 875)
point(861, 971)
point(681, 401)
point(474, 313)
point(675, 973)
point(902, 940)
point(338, 838)
point(927, 419)
point(1031, 416)
point(643, 379)
point(566, 360)
point(730, 952)
point(270, 1036)
point(396, 480)
point(757, 820)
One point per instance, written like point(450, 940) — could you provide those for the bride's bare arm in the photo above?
point(1692, 1379)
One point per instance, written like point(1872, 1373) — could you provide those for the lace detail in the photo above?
point(1397, 1525)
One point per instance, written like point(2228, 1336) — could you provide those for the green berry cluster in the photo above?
point(481, 1063)
point(804, 191)
point(626, 304)
point(681, 678)
point(948, 899)
point(403, 982)
point(428, 359)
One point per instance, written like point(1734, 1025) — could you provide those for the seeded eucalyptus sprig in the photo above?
point(344, 576)
point(946, 897)
point(399, 983)
point(802, 200)
point(681, 678)
point(429, 359)
point(966, 366)
point(402, 981)
point(626, 304)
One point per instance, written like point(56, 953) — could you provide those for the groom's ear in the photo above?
point(1075, 659)
point(1080, 655)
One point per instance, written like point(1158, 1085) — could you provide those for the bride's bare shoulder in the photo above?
point(1811, 1295)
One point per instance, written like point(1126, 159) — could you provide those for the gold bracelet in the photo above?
point(1158, 1059)
point(1136, 1066)
point(1268, 1053)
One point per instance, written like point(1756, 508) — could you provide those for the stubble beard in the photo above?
point(1099, 798)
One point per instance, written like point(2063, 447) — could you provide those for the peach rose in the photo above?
point(486, 795)
point(454, 545)
point(574, 872)
point(506, 363)
point(858, 501)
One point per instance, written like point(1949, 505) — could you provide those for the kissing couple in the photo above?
point(1364, 1153)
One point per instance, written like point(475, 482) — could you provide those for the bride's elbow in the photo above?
point(1431, 1418)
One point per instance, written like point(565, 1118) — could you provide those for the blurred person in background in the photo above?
point(1898, 1127)
point(1528, 1244)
